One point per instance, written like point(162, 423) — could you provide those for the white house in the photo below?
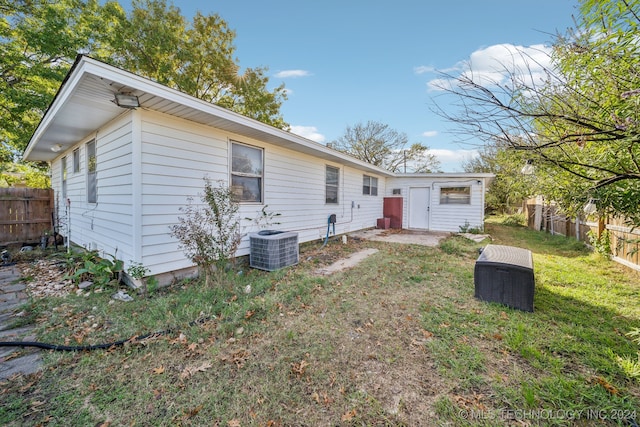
point(120, 173)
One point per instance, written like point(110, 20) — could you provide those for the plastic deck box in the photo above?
point(504, 274)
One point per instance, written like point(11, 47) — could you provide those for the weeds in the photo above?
point(89, 265)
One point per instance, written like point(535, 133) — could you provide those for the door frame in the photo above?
point(410, 207)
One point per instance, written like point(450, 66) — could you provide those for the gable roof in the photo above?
point(84, 103)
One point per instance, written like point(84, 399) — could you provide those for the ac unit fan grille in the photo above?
point(273, 251)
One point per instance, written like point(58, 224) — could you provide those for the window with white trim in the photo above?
point(247, 172)
point(369, 186)
point(455, 195)
point(92, 172)
point(332, 181)
point(63, 177)
point(76, 160)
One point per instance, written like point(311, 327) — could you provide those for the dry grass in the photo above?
point(396, 340)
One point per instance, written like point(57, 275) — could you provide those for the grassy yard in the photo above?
point(397, 340)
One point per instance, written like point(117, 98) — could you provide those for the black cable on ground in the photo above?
point(55, 347)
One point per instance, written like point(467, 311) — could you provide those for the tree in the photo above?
point(378, 144)
point(580, 124)
point(39, 40)
point(508, 188)
point(156, 41)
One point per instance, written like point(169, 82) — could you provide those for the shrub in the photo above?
point(209, 234)
point(467, 228)
point(88, 265)
point(515, 220)
point(602, 244)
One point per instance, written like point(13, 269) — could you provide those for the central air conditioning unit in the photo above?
point(271, 250)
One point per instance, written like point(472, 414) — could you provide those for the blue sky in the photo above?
point(346, 62)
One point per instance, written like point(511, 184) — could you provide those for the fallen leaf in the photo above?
point(159, 370)
point(192, 412)
point(427, 334)
point(299, 368)
point(607, 386)
point(249, 314)
point(348, 416)
point(233, 423)
point(190, 370)
point(503, 315)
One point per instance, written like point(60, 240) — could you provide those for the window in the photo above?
point(246, 173)
point(455, 196)
point(331, 184)
point(63, 176)
point(369, 185)
point(92, 173)
point(76, 160)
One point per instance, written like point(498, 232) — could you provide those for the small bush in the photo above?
point(516, 220)
point(88, 265)
point(602, 244)
point(467, 228)
point(209, 234)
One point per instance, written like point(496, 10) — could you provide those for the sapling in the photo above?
point(209, 233)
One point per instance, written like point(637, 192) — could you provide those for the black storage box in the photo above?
point(504, 274)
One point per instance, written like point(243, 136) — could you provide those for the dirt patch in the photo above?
point(346, 263)
point(410, 237)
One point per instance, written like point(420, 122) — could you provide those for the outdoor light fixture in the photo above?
point(126, 100)
point(591, 207)
point(56, 148)
point(528, 168)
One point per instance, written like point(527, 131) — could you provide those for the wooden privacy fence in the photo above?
point(25, 214)
point(624, 240)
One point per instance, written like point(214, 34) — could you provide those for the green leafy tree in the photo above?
point(156, 41)
point(40, 39)
point(509, 188)
point(378, 144)
point(38, 42)
point(580, 125)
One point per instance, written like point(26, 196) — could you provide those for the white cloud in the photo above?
point(496, 64)
point(452, 156)
point(430, 133)
point(422, 69)
point(309, 132)
point(292, 74)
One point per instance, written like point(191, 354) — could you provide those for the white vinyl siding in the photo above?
point(105, 225)
point(176, 155)
point(443, 217)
